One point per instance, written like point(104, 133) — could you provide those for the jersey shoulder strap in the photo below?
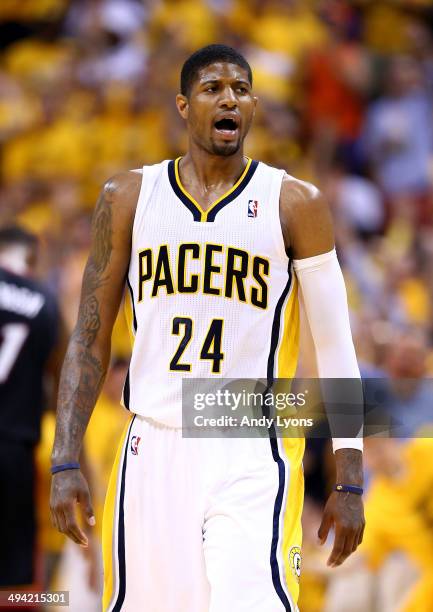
point(149, 178)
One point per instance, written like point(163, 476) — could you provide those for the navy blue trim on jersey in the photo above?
point(177, 190)
point(134, 317)
point(234, 194)
point(275, 568)
point(121, 532)
point(190, 204)
point(275, 334)
point(126, 391)
point(126, 386)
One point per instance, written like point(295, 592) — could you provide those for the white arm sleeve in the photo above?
point(325, 300)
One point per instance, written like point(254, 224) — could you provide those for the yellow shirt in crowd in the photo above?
point(399, 517)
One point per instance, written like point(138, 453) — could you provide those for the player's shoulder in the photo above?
point(117, 201)
point(297, 191)
point(122, 185)
point(302, 207)
point(123, 189)
point(301, 199)
point(293, 190)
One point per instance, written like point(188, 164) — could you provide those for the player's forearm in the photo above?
point(348, 463)
point(326, 307)
point(82, 375)
point(88, 352)
point(83, 370)
point(81, 380)
point(325, 300)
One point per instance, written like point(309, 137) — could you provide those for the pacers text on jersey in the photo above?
point(211, 269)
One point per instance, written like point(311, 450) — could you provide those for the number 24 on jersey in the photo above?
point(211, 348)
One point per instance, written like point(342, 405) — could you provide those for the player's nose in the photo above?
point(228, 98)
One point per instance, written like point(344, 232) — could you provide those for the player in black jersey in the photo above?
point(30, 352)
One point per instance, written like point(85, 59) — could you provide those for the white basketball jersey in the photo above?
point(213, 292)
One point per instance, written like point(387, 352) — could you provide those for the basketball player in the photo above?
point(30, 352)
point(201, 243)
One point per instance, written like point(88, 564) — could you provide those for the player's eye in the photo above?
point(242, 89)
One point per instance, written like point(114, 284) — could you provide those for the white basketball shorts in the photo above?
point(202, 525)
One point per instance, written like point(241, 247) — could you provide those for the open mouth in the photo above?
point(226, 126)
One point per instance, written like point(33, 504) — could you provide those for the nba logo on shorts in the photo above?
point(135, 441)
point(253, 205)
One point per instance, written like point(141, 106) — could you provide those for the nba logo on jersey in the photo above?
point(135, 441)
point(253, 205)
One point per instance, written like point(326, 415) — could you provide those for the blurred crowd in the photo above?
point(346, 101)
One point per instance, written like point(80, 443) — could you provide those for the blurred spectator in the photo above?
point(420, 40)
point(188, 23)
point(398, 139)
point(27, 10)
point(337, 81)
point(409, 396)
point(355, 200)
point(278, 33)
point(121, 17)
point(399, 515)
point(31, 350)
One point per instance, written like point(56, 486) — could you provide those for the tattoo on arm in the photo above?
point(83, 372)
point(81, 382)
point(89, 320)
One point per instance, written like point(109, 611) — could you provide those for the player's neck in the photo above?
point(201, 168)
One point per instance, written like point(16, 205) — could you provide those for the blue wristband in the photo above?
point(342, 488)
point(64, 466)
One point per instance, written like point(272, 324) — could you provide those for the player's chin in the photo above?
point(226, 148)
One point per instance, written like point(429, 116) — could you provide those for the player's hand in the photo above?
point(344, 512)
point(68, 489)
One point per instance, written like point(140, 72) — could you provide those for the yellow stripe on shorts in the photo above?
point(109, 521)
point(288, 452)
point(291, 538)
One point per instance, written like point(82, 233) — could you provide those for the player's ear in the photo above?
point(182, 105)
point(255, 100)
